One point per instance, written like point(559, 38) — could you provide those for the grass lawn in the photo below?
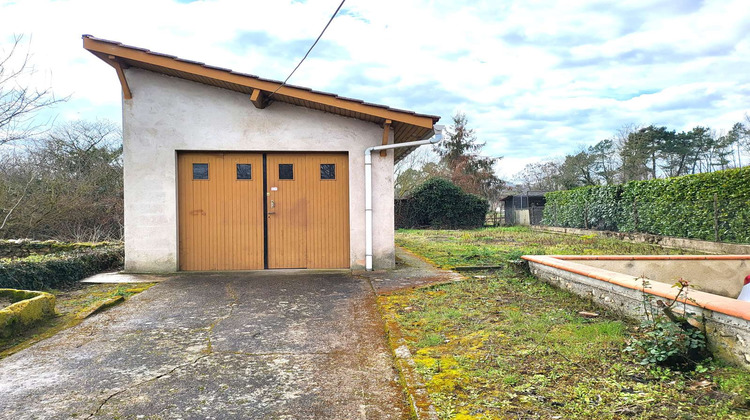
point(502, 344)
point(71, 305)
point(494, 246)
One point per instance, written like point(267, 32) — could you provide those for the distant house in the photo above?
point(230, 171)
point(524, 208)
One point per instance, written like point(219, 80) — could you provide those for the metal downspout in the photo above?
point(368, 188)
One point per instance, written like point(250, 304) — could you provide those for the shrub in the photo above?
point(667, 338)
point(664, 343)
point(39, 272)
point(438, 203)
point(706, 206)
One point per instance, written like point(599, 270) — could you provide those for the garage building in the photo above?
point(229, 171)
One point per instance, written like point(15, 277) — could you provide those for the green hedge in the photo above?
point(711, 206)
point(40, 272)
point(438, 203)
point(587, 207)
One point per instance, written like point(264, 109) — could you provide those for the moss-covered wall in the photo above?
point(27, 308)
point(22, 248)
point(55, 270)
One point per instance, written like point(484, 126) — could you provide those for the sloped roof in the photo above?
point(407, 125)
point(530, 194)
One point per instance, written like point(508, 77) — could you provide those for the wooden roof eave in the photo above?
point(114, 54)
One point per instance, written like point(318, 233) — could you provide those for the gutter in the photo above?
point(368, 187)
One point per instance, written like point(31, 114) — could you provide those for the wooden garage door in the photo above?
point(220, 211)
point(223, 220)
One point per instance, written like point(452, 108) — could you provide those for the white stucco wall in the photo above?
point(168, 114)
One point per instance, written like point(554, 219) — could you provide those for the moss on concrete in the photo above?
point(72, 306)
point(101, 305)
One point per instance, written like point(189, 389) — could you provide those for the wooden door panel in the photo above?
point(243, 215)
point(287, 211)
point(195, 215)
point(328, 210)
point(220, 218)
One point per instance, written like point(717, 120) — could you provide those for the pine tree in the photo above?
point(460, 159)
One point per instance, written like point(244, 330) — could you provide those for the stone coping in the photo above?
point(650, 257)
point(716, 303)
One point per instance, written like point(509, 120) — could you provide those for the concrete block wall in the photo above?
point(728, 335)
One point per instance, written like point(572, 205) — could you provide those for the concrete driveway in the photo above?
point(265, 345)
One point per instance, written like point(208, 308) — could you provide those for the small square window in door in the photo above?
point(200, 171)
point(327, 171)
point(286, 171)
point(244, 171)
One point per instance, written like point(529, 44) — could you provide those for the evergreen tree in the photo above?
point(460, 159)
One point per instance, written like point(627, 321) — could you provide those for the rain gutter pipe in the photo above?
point(368, 187)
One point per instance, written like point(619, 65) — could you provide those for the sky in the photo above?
point(536, 79)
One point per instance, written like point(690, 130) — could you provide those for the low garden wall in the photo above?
point(27, 307)
point(726, 320)
point(40, 272)
point(22, 248)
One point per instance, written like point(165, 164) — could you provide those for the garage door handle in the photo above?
point(271, 212)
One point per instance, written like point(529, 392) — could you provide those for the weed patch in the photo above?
point(504, 345)
point(497, 246)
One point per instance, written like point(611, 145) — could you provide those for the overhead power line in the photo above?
point(308, 51)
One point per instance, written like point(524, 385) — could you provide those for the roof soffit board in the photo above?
point(140, 58)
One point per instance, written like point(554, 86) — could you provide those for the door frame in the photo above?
point(263, 154)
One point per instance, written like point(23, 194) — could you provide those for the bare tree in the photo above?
point(605, 155)
point(20, 103)
point(413, 170)
point(744, 134)
point(542, 176)
point(621, 135)
point(65, 185)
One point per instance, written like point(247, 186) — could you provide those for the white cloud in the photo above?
point(536, 79)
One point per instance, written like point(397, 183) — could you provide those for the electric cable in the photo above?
point(308, 51)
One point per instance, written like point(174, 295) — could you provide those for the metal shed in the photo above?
point(524, 208)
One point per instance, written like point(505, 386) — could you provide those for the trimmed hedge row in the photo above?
point(40, 272)
point(712, 206)
point(438, 203)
